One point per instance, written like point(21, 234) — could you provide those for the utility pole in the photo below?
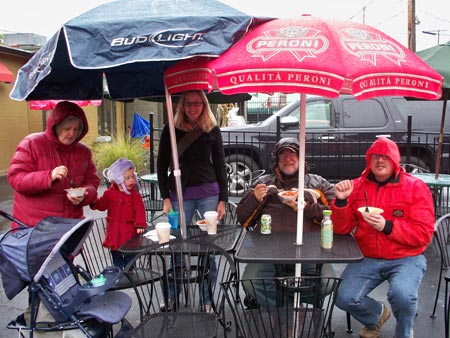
point(412, 25)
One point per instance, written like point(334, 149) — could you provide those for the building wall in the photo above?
point(17, 120)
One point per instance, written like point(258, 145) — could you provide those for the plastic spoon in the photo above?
point(72, 183)
point(367, 203)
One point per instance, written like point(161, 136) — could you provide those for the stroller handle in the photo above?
point(13, 219)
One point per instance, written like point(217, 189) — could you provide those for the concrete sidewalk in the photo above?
point(424, 326)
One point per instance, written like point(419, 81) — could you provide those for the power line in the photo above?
point(436, 17)
point(390, 18)
point(361, 10)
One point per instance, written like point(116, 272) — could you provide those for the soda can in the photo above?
point(266, 224)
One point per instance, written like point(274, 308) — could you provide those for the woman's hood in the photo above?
point(63, 110)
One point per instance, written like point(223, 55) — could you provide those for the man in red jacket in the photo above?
point(393, 242)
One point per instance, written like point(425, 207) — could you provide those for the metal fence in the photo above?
point(339, 157)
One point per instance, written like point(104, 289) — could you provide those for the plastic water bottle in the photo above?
point(326, 231)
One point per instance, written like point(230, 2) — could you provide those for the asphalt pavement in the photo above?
point(424, 326)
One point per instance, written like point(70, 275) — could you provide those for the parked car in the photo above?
point(338, 134)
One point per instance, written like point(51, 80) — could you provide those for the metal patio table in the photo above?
point(440, 189)
point(226, 238)
point(152, 178)
point(279, 247)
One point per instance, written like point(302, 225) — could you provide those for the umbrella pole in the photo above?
point(301, 198)
point(301, 170)
point(441, 134)
point(175, 162)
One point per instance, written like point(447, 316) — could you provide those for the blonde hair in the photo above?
point(206, 121)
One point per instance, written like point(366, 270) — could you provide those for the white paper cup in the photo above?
point(163, 231)
point(211, 222)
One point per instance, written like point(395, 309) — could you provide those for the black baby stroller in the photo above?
point(42, 259)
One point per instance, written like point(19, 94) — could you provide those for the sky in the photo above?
point(44, 17)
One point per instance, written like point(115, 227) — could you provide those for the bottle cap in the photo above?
point(327, 212)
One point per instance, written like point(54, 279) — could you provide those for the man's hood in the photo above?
point(384, 146)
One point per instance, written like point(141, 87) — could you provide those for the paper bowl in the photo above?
point(372, 210)
point(202, 225)
point(289, 195)
point(76, 192)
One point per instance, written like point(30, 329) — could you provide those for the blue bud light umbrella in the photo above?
point(129, 44)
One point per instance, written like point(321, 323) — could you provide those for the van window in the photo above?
point(318, 114)
point(426, 115)
point(363, 114)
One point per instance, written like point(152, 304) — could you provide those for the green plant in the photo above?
point(108, 152)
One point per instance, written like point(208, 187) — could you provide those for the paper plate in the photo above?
point(202, 225)
point(289, 194)
point(152, 235)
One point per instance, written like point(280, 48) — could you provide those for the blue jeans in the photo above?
point(267, 271)
point(404, 276)
point(120, 260)
point(202, 205)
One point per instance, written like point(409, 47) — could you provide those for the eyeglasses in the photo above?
point(286, 155)
point(193, 104)
point(378, 156)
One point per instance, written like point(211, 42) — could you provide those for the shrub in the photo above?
point(107, 153)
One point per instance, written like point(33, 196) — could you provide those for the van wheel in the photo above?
point(239, 173)
point(415, 165)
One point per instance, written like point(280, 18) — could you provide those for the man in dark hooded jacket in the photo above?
point(393, 241)
point(263, 198)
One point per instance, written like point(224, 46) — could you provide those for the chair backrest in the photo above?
point(230, 213)
point(442, 236)
point(191, 269)
point(441, 197)
point(95, 256)
point(152, 199)
point(294, 315)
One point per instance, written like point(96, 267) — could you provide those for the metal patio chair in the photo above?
point(303, 308)
point(442, 237)
point(96, 258)
point(198, 307)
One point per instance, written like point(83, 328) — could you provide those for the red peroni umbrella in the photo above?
point(50, 104)
point(309, 55)
point(313, 56)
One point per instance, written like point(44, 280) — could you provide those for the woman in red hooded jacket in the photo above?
point(392, 242)
point(48, 162)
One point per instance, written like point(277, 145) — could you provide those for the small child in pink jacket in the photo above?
point(126, 213)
